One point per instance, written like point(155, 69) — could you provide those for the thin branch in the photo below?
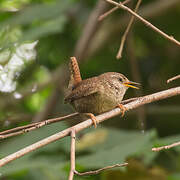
point(123, 39)
point(99, 170)
point(170, 38)
point(33, 126)
point(166, 147)
point(100, 118)
point(173, 78)
point(149, 10)
point(111, 11)
point(73, 149)
point(73, 160)
point(18, 128)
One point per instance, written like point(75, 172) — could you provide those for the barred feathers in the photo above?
point(75, 72)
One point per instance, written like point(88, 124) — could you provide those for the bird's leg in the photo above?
point(94, 120)
point(123, 109)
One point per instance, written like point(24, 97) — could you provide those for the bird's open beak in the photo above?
point(131, 83)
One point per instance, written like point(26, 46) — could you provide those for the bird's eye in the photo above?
point(120, 79)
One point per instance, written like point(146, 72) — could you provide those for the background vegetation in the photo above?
point(37, 37)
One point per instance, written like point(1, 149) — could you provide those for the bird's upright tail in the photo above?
point(75, 73)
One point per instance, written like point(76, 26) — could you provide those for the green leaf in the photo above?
point(37, 12)
point(117, 147)
point(175, 176)
point(47, 28)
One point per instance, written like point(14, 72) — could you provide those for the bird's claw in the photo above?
point(123, 109)
point(94, 120)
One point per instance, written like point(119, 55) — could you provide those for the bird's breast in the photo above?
point(103, 101)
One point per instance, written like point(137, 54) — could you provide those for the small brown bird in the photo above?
point(97, 94)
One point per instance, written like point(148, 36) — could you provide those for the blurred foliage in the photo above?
point(36, 38)
point(53, 159)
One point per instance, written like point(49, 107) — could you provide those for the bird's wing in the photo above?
point(85, 88)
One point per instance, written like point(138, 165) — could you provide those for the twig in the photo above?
point(170, 38)
point(166, 147)
point(111, 11)
point(73, 148)
point(33, 126)
point(149, 10)
point(27, 128)
point(173, 78)
point(73, 160)
point(99, 170)
point(100, 118)
point(18, 128)
point(123, 39)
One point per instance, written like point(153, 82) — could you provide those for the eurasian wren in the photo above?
point(97, 94)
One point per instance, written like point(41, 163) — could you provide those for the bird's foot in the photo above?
point(94, 120)
point(123, 109)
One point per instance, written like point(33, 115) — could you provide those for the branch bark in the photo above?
point(79, 127)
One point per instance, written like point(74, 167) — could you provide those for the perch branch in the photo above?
point(123, 39)
point(33, 126)
point(170, 38)
point(173, 78)
point(100, 118)
point(166, 147)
